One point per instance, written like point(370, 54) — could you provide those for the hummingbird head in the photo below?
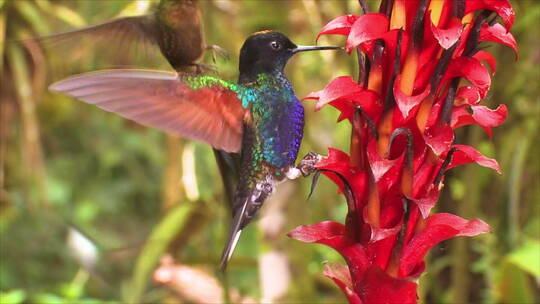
point(269, 51)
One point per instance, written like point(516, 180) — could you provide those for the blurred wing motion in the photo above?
point(211, 113)
point(120, 30)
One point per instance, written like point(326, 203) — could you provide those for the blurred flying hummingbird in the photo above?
point(259, 116)
point(175, 27)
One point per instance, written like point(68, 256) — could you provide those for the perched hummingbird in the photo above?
point(175, 27)
point(259, 116)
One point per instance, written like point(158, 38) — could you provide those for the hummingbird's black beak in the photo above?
point(305, 48)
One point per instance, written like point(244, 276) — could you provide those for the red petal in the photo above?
point(488, 58)
point(390, 43)
point(339, 161)
point(368, 27)
point(498, 33)
point(317, 233)
point(379, 165)
point(369, 101)
point(439, 227)
point(356, 257)
point(336, 158)
point(379, 252)
point(423, 177)
point(340, 25)
point(378, 234)
point(467, 154)
point(376, 286)
point(425, 204)
point(439, 138)
point(345, 108)
point(407, 103)
point(342, 277)
point(471, 69)
point(342, 93)
point(486, 117)
point(482, 116)
point(461, 117)
point(339, 88)
point(501, 7)
point(447, 37)
point(328, 233)
point(390, 219)
point(468, 94)
point(466, 228)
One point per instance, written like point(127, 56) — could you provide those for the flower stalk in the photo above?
point(422, 75)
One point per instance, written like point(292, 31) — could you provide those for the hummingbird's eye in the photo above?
point(275, 45)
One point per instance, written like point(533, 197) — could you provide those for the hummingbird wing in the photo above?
point(228, 165)
point(202, 108)
point(133, 28)
point(125, 33)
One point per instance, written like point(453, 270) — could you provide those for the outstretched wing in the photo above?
point(203, 108)
point(120, 30)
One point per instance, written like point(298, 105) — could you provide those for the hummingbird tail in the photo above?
point(237, 225)
point(229, 249)
point(244, 209)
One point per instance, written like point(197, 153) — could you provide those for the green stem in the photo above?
point(466, 208)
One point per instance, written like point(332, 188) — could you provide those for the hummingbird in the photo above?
point(258, 116)
point(175, 27)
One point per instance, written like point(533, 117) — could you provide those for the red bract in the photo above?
point(472, 70)
point(341, 25)
point(488, 58)
point(406, 103)
point(367, 28)
point(342, 277)
point(422, 75)
point(498, 33)
point(481, 115)
point(501, 7)
point(447, 37)
point(343, 93)
point(467, 154)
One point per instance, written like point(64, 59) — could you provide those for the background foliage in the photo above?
point(137, 193)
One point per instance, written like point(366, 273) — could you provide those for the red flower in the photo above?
point(421, 77)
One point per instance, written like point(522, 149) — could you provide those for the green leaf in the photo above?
point(532, 228)
point(155, 246)
point(31, 15)
point(513, 285)
point(20, 72)
point(61, 12)
point(68, 15)
point(15, 296)
point(7, 216)
point(71, 291)
point(48, 298)
point(527, 257)
point(135, 8)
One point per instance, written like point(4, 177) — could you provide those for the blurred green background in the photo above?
point(68, 168)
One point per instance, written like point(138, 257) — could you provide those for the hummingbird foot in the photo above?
point(293, 173)
point(308, 163)
point(194, 69)
point(217, 51)
point(201, 68)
